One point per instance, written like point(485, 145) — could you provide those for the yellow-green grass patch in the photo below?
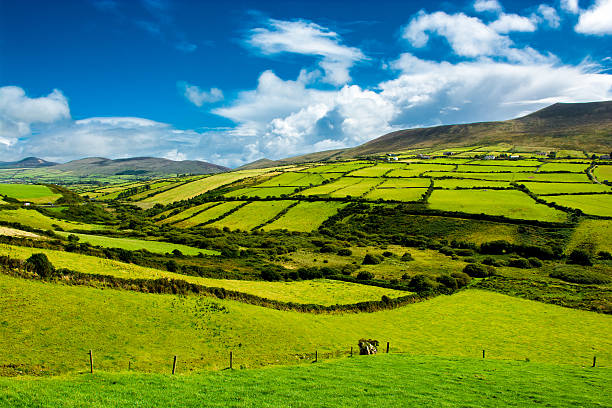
point(55, 325)
point(454, 183)
point(603, 173)
point(566, 188)
point(296, 179)
point(410, 171)
point(252, 215)
point(262, 192)
point(509, 203)
point(306, 216)
point(468, 168)
point(12, 232)
point(573, 167)
point(396, 194)
point(190, 212)
point(405, 183)
point(593, 235)
point(375, 171)
point(357, 189)
point(29, 192)
point(209, 214)
point(34, 219)
point(326, 189)
point(593, 204)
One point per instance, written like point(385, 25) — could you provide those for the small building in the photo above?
point(489, 157)
point(26, 204)
point(447, 153)
point(423, 156)
point(392, 158)
point(541, 153)
point(515, 157)
point(605, 157)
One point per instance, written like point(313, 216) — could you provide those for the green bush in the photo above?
point(365, 275)
point(576, 274)
point(422, 283)
point(371, 259)
point(476, 270)
point(535, 262)
point(580, 257)
point(40, 265)
point(519, 263)
point(448, 281)
point(407, 257)
point(387, 254)
point(497, 247)
point(605, 255)
point(462, 279)
point(345, 252)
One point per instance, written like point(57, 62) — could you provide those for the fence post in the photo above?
point(129, 365)
point(174, 365)
point(90, 362)
point(483, 354)
point(387, 347)
point(231, 360)
point(594, 360)
point(316, 355)
point(351, 351)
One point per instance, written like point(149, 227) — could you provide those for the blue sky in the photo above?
point(201, 80)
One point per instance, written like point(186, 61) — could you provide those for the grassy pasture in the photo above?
point(306, 216)
point(562, 188)
point(593, 235)
point(262, 192)
point(209, 214)
point(296, 179)
point(12, 232)
point(190, 212)
point(573, 167)
point(603, 173)
point(357, 189)
point(405, 183)
point(29, 192)
point(454, 183)
point(252, 215)
point(475, 176)
point(507, 163)
point(375, 171)
point(338, 168)
point(133, 244)
point(43, 325)
point(509, 203)
point(34, 219)
point(596, 204)
point(545, 177)
point(443, 382)
point(399, 194)
point(492, 169)
point(410, 171)
point(336, 185)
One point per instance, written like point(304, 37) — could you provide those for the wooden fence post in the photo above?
point(174, 365)
point(351, 351)
point(231, 360)
point(90, 362)
point(387, 347)
point(129, 365)
point(483, 354)
point(316, 355)
point(594, 360)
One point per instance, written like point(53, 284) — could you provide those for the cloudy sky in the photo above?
point(199, 80)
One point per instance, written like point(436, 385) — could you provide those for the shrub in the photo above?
point(172, 266)
point(492, 261)
point(371, 259)
point(40, 264)
point(405, 276)
point(327, 248)
point(348, 269)
point(270, 275)
point(309, 273)
point(497, 247)
point(447, 251)
point(580, 257)
point(345, 252)
point(387, 254)
point(407, 257)
point(605, 255)
point(464, 252)
point(448, 281)
point(519, 263)
point(576, 274)
point(365, 275)
point(535, 262)
point(462, 279)
point(421, 283)
point(476, 270)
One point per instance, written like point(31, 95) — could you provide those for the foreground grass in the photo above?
point(364, 381)
point(48, 328)
point(34, 219)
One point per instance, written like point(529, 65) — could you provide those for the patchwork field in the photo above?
point(592, 235)
point(396, 194)
point(306, 216)
point(262, 192)
point(603, 173)
point(29, 192)
point(566, 188)
point(190, 212)
point(460, 183)
point(509, 203)
point(34, 219)
point(209, 214)
point(593, 204)
point(252, 215)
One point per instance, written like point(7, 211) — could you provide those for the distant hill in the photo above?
point(306, 158)
point(148, 166)
point(27, 163)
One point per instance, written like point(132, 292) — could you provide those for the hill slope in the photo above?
point(28, 162)
point(138, 166)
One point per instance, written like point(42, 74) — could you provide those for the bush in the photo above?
point(407, 257)
point(580, 257)
point(40, 265)
point(448, 281)
point(371, 259)
point(464, 252)
point(478, 270)
point(172, 266)
point(492, 261)
point(576, 274)
point(365, 275)
point(605, 255)
point(498, 247)
point(462, 279)
point(519, 263)
point(309, 273)
point(327, 248)
point(535, 262)
point(422, 283)
point(387, 254)
point(270, 275)
point(345, 252)
point(348, 269)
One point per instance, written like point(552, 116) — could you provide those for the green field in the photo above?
point(593, 204)
point(566, 188)
point(405, 183)
point(133, 244)
point(593, 235)
point(492, 169)
point(252, 215)
point(296, 179)
point(365, 381)
point(34, 219)
point(261, 192)
point(454, 183)
point(603, 173)
point(209, 214)
point(573, 167)
point(509, 203)
point(375, 171)
point(190, 212)
point(336, 185)
point(29, 192)
point(399, 194)
point(50, 327)
point(361, 187)
point(306, 216)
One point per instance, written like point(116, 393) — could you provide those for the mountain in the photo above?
point(150, 166)
point(577, 126)
point(28, 162)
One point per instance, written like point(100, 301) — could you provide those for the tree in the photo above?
point(580, 257)
point(40, 264)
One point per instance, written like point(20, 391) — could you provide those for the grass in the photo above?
point(550, 177)
point(306, 216)
point(594, 234)
point(399, 194)
point(327, 189)
point(320, 291)
point(357, 189)
point(596, 204)
point(29, 192)
point(209, 214)
point(405, 182)
point(261, 192)
point(295, 179)
point(190, 212)
point(34, 219)
point(573, 167)
point(50, 327)
point(375, 171)
point(566, 188)
point(487, 169)
point(603, 173)
point(365, 381)
point(252, 215)
point(134, 244)
point(454, 183)
point(509, 203)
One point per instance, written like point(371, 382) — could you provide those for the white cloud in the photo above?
point(307, 38)
point(596, 20)
point(512, 22)
point(198, 96)
point(487, 5)
point(571, 6)
point(470, 37)
point(549, 15)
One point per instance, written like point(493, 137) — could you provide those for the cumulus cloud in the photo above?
point(597, 20)
point(307, 38)
point(570, 6)
point(198, 96)
point(548, 15)
point(471, 37)
point(487, 5)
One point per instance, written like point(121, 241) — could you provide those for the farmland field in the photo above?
point(296, 179)
point(592, 235)
point(603, 173)
point(336, 185)
point(34, 219)
point(509, 203)
point(454, 183)
point(573, 167)
point(595, 204)
point(209, 214)
point(405, 183)
point(153, 328)
point(357, 189)
point(305, 216)
point(492, 169)
point(374, 171)
point(190, 212)
point(566, 188)
point(29, 192)
point(262, 192)
point(396, 194)
point(252, 215)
